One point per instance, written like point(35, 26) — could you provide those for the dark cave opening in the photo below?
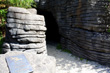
point(52, 33)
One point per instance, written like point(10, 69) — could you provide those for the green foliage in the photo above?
point(3, 13)
point(16, 3)
point(1, 42)
point(22, 3)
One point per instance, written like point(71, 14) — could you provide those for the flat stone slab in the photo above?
point(40, 63)
point(28, 46)
point(32, 36)
point(31, 40)
point(26, 27)
point(15, 31)
point(22, 16)
point(29, 22)
point(20, 10)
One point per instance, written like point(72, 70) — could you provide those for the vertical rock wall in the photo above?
point(83, 25)
point(25, 31)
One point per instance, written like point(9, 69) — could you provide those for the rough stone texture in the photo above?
point(25, 31)
point(33, 17)
point(40, 63)
point(19, 21)
point(26, 27)
point(32, 10)
point(18, 10)
point(85, 23)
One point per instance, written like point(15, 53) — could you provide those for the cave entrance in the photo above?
point(52, 33)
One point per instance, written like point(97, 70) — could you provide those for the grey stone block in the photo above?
point(40, 63)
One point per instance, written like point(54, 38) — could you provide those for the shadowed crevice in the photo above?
point(52, 33)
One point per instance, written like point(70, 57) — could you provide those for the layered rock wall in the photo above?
point(83, 25)
point(25, 31)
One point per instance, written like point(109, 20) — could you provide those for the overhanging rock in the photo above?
point(86, 24)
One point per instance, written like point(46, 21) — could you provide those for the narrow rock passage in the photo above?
point(67, 63)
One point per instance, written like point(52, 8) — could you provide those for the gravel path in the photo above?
point(67, 63)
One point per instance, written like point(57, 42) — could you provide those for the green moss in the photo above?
point(59, 47)
point(81, 59)
point(66, 50)
point(108, 30)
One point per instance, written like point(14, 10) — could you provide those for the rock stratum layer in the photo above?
point(86, 26)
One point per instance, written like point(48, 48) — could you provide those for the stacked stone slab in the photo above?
point(83, 26)
point(25, 31)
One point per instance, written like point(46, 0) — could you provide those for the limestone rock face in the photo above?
point(25, 31)
point(40, 63)
point(83, 25)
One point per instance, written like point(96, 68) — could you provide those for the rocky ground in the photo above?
point(67, 63)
